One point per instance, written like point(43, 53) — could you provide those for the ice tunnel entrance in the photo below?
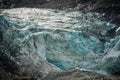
point(68, 40)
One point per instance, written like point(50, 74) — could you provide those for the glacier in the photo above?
point(53, 40)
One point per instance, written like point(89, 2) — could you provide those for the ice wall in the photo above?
point(65, 40)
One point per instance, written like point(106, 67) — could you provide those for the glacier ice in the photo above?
point(65, 40)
